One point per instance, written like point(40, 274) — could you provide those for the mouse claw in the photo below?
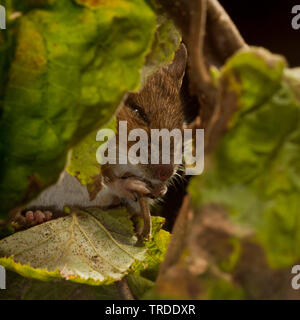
point(30, 218)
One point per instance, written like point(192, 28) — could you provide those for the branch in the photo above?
point(124, 290)
point(179, 235)
point(227, 38)
point(211, 38)
point(196, 37)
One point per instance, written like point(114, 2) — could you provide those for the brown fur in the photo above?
point(159, 100)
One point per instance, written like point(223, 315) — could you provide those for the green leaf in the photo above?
point(91, 247)
point(167, 38)
point(142, 280)
point(254, 173)
point(72, 65)
point(166, 41)
point(157, 247)
point(139, 286)
point(20, 288)
point(84, 164)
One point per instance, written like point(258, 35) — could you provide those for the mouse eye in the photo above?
point(137, 110)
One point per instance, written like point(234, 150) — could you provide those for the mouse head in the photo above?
point(157, 106)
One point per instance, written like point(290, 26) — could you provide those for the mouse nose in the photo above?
point(163, 171)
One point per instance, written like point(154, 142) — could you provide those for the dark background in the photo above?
point(267, 23)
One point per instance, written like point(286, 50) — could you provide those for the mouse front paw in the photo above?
point(30, 218)
point(130, 188)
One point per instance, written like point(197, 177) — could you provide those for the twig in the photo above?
point(227, 38)
point(196, 38)
point(200, 80)
point(25, 289)
point(179, 234)
point(147, 230)
point(211, 37)
point(124, 290)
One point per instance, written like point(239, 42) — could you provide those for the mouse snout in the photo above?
point(163, 171)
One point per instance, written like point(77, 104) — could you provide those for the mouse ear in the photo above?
point(177, 68)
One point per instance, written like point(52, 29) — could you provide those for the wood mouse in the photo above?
point(156, 106)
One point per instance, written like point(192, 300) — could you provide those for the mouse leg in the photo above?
point(130, 187)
